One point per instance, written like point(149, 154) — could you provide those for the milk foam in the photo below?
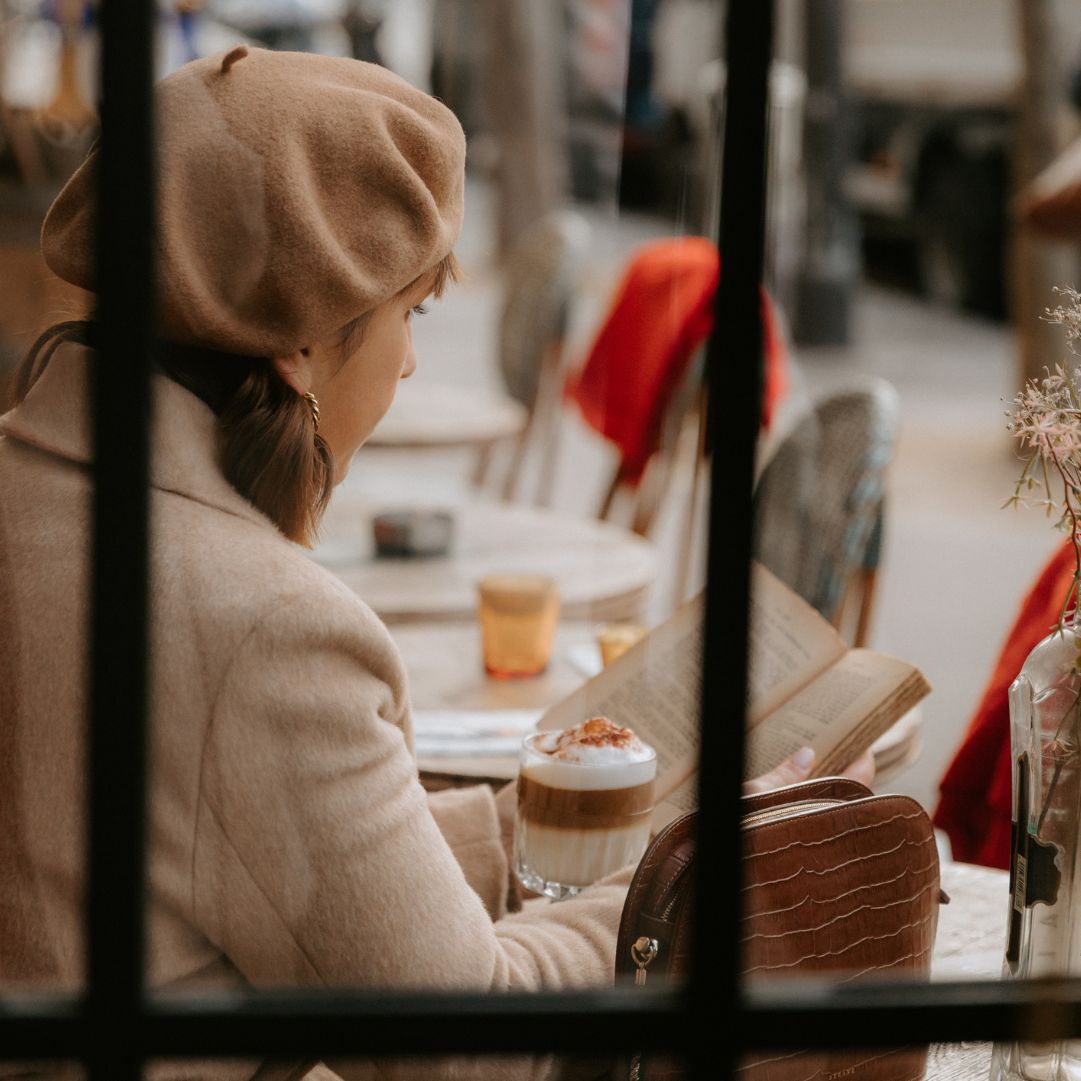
point(593, 756)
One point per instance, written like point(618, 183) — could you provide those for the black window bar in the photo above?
point(116, 1026)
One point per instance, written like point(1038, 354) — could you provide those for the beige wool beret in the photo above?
point(296, 192)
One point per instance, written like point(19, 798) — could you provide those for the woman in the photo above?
point(308, 205)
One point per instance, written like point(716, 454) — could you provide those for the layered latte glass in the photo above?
point(585, 797)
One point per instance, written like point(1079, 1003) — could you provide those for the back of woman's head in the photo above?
point(269, 447)
point(269, 444)
point(297, 193)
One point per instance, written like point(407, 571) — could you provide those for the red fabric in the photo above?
point(661, 313)
point(976, 801)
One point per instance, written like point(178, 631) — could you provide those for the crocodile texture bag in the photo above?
point(838, 882)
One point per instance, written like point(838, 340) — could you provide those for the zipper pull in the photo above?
point(643, 952)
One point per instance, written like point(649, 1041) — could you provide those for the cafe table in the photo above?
point(428, 415)
point(603, 571)
point(969, 946)
point(446, 668)
point(451, 692)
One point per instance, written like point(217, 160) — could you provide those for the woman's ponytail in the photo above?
point(272, 455)
point(268, 446)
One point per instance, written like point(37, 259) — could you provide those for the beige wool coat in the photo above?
point(291, 844)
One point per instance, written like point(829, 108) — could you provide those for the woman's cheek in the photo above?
point(380, 402)
point(409, 363)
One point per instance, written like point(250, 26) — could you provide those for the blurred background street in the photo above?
point(904, 134)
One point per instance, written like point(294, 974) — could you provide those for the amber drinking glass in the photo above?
point(518, 615)
point(616, 638)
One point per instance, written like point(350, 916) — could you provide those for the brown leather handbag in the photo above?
point(839, 882)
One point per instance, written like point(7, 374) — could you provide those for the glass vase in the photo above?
point(1044, 928)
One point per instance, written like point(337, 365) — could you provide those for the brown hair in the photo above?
point(268, 447)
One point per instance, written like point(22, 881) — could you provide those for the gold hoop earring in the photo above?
point(313, 404)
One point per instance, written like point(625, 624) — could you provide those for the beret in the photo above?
point(295, 193)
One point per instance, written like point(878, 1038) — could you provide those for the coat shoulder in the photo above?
point(226, 575)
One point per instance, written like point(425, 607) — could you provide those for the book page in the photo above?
point(840, 714)
point(804, 688)
point(653, 688)
point(874, 725)
point(790, 644)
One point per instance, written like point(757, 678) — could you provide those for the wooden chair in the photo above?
point(641, 386)
point(68, 116)
point(820, 504)
point(539, 283)
point(684, 422)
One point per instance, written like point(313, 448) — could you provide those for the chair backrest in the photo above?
point(539, 281)
point(642, 378)
point(818, 504)
point(660, 313)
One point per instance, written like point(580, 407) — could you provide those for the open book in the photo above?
point(805, 688)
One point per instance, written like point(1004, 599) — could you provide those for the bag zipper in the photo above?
point(788, 810)
point(644, 950)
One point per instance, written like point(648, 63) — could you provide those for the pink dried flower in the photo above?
point(1069, 317)
point(1046, 420)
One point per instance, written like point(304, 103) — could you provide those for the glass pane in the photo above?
point(295, 844)
point(47, 122)
point(921, 283)
point(967, 1060)
point(366, 592)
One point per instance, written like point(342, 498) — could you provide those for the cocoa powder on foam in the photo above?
point(596, 732)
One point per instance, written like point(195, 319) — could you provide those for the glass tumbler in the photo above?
point(579, 821)
point(518, 615)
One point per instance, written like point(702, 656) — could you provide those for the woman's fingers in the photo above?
point(862, 770)
point(796, 767)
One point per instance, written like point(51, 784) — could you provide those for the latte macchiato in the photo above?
point(585, 796)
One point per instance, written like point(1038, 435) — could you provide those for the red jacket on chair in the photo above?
point(662, 311)
point(976, 801)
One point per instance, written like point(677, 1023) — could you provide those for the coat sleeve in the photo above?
point(317, 859)
point(468, 819)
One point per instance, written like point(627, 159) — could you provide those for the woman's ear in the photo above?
point(296, 370)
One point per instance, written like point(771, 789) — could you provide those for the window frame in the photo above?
point(117, 1025)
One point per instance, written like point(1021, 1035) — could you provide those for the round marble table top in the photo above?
point(603, 571)
point(446, 668)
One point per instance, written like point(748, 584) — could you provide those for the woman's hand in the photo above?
point(797, 767)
